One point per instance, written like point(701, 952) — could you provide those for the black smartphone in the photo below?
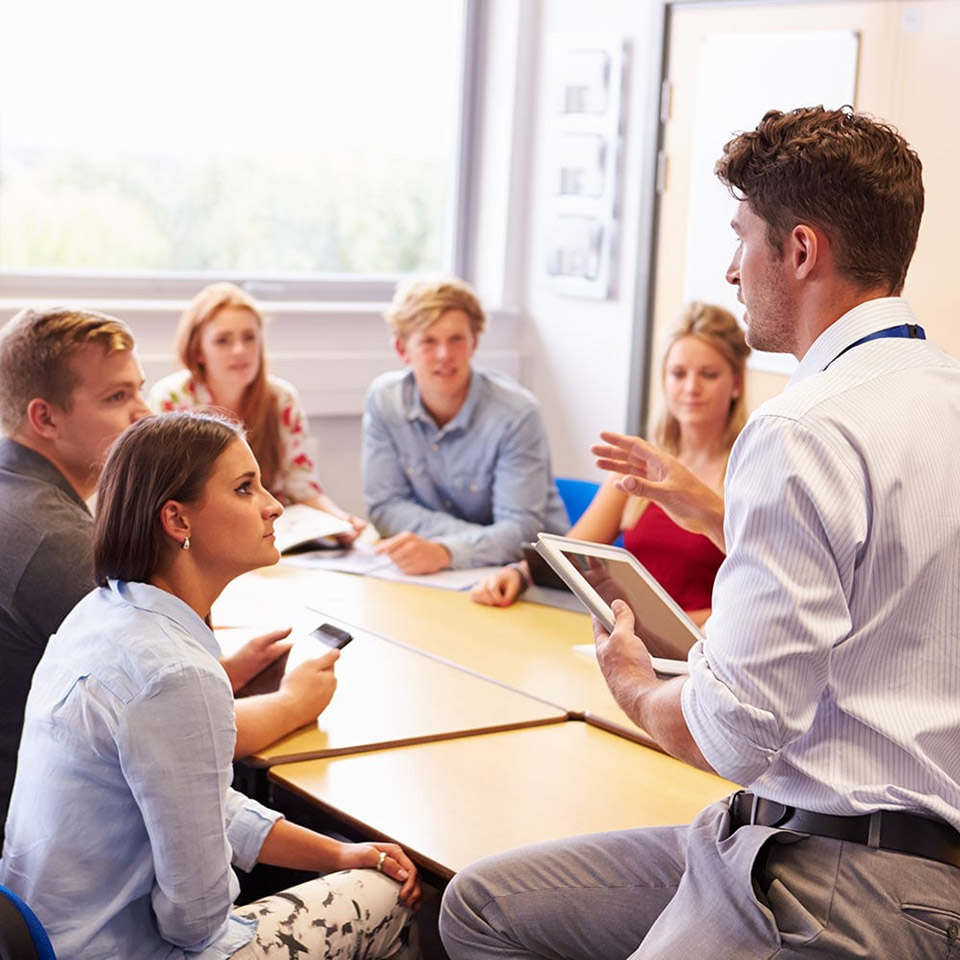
point(332, 636)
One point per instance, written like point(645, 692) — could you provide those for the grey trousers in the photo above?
point(700, 892)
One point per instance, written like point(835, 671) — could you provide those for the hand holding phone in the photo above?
point(332, 636)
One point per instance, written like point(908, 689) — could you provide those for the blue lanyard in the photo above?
point(909, 331)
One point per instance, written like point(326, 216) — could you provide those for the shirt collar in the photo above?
point(417, 411)
point(863, 319)
point(151, 599)
point(28, 463)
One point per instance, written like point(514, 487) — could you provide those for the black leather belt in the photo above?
point(887, 829)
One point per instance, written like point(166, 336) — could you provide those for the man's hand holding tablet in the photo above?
point(623, 657)
point(652, 703)
point(600, 575)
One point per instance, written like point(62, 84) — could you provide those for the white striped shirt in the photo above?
point(829, 678)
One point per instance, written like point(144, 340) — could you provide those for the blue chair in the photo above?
point(576, 496)
point(22, 936)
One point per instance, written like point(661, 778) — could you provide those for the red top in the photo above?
point(684, 564)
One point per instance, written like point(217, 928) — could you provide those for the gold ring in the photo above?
point(383, 856)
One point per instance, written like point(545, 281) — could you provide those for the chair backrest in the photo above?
point(576, 495)
point(22, 936)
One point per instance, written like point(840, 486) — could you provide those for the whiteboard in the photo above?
point(740, 77)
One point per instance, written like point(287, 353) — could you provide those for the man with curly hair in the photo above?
point(828, 679)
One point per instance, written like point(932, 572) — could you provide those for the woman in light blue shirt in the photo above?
point(123, 829)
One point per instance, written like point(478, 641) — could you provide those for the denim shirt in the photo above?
point(123, 824)
point(481, 485)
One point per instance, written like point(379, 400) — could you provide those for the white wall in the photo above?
point(579, 349)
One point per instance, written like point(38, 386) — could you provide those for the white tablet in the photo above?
point(599, 574)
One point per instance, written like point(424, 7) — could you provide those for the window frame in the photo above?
point(93, 285)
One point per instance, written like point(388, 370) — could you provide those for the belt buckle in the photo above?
point(785, 812)
point(736, 806)
point(753, 815)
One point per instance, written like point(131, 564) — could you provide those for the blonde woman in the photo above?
point(221, 346)
point(703, 372)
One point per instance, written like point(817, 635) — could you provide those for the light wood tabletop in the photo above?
point(528, 646)
point(452, 802)
point(389, 694)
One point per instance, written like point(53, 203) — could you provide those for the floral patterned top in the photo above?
point(297, 478)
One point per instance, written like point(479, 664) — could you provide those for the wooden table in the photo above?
point(528, 647)
point(451, 802)
point(389, 694)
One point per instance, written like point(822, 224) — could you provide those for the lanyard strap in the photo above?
point(908, 331)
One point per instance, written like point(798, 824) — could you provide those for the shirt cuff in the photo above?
point(248, 823)
point(720, 724)
point(521, 568)
point(460, 553)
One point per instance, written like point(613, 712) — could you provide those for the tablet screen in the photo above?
point(615, 579)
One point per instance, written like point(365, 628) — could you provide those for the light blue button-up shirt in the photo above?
point(123, 824)
point(829, 678)
point(481, 485)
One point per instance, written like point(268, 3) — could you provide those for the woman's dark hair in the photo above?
point(165, 457)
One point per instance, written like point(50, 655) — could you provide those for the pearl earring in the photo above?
point(186, 544)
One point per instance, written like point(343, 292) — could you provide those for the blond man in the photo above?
point(456, 461)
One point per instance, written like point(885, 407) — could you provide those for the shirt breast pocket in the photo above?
point(417, 474)
point(474, 497)
point(414, 468)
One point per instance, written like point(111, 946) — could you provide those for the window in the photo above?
point(291, 140)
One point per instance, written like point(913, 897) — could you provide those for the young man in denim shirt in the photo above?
point(456, 461)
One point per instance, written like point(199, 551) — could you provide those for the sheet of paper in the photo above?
point(445, 579)
point(361, 559)
point(358, 559)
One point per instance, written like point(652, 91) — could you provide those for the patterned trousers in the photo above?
point(351, 915)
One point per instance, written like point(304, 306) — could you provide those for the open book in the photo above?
point(300, 525)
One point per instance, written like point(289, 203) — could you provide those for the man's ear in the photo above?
point(175, 522)
point(43, 418)
point(805, 250)
point(400, 345)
